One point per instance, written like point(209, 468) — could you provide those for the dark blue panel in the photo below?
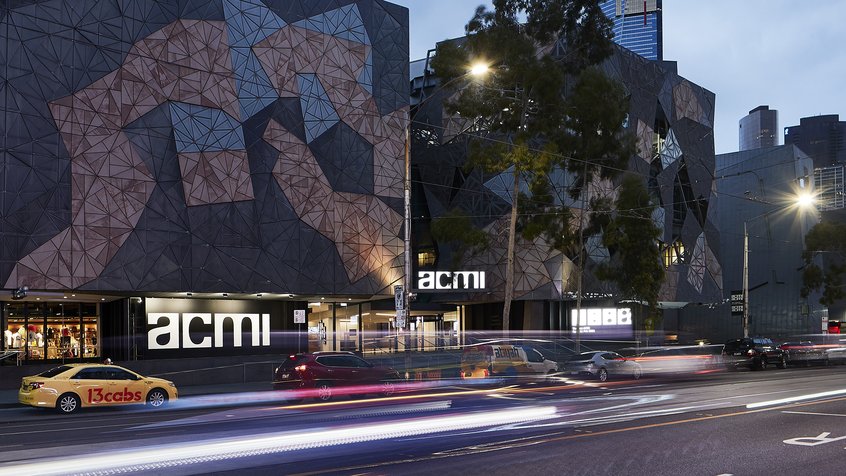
point(152, 137)
point(346, 159)
point(344, 22)
point(249, 22)
point(203, 129)
point(387, 26)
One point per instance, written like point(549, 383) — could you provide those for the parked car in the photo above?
point(67, 388)
point(804, 353)
point(331, 373)
point(603, 365)
point(504, 360)
point(757, 353)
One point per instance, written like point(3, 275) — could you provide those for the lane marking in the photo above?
point(541, 440)
point(815, 413)
point(800, 398)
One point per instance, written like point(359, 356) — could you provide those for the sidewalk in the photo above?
point(9, 397)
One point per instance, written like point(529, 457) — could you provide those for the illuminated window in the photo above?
point(673, 253)
point(425, 258)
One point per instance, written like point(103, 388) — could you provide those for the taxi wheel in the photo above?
point(324, 391)
point(68, 403)
point(157, 398)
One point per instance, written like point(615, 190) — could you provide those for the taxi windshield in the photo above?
point(55, 371)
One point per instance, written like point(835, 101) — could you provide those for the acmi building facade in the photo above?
point(179, 177)
point(672, 119)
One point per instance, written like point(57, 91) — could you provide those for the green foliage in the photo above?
point(596, 145)
point(456, 229)
point(830, 239)
point(632, 237)
point(545, 105)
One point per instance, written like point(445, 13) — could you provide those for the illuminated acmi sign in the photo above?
point(177, 329)
point(450, 280)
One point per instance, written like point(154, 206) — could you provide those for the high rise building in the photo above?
point(637, 26)
point(821, 137)
point(758, 129)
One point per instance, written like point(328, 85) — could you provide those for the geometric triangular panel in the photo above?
point(345, 22)
point(249, 22)
point(203, 129)
point(318, 113)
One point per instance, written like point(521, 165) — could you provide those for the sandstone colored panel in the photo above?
point(215, 177)
point(364, 229)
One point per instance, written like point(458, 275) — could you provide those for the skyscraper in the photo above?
point(821, 137)
point(758, 129)
point(637, 26)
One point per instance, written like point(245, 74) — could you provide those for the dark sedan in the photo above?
point(324, 375)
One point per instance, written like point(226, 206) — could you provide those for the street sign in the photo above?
point(399, 300)
point(399, 322)
point(737, 303)
point(299, 316)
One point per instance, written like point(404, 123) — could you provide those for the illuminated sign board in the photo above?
point(451, 280)
point(603, 322)
point(173, 330)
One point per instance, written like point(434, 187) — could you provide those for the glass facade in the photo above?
point(758, 129)
point(366, 329)
point(51, 331)
point(637, 26)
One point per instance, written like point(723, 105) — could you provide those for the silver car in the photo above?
point(603, 365)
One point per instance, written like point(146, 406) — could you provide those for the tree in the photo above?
point(456, 229)
point(830, 238)
point(632, 238)
point(544, 105)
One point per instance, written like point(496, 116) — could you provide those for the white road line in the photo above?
point(799, 398)
point(815, 413)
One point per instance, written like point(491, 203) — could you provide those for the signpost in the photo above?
point(399, 298)
point(299, 319)
point(737, 303)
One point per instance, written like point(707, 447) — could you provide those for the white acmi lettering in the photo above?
point(443, 280)
point(172, 331)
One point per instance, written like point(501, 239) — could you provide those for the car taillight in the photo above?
point(35, 385)
point(300, 368)
point(487, 373)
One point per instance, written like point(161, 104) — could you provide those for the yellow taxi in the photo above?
point(69, 387)
point(504, 360)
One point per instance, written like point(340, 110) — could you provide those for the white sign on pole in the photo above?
point(299, 316)
point(399, 322)
point(398, 298)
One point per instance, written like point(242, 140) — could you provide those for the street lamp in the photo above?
point(803, 201)
point(478, 69)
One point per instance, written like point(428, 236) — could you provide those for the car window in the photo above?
point(610, 356)
point(119, 374)
point(349, 361)
point(533, 355)
point(330, 360)
point(359, 362)
point(90, 374)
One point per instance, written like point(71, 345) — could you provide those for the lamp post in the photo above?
point(479, 69)
point(802, 202)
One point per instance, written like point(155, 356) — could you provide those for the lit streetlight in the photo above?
point(804, 201)
point(479, 70)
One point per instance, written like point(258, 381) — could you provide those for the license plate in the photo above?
point(737, 353)
point(286, 375)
